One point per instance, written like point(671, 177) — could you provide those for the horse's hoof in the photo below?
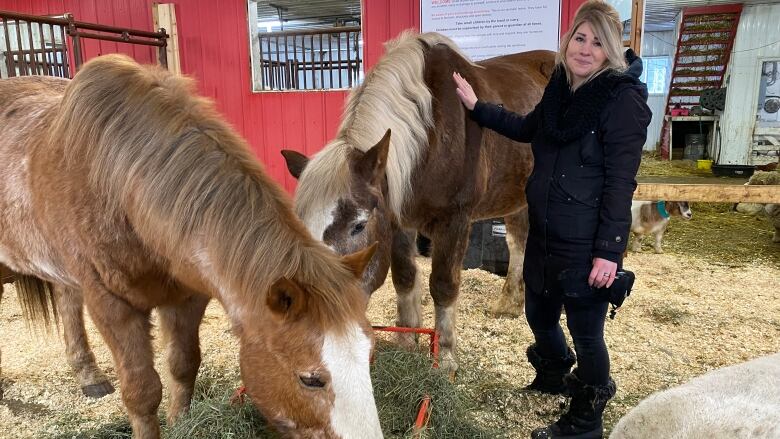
point(503, 309)
point(98, 390)
point(448, 365)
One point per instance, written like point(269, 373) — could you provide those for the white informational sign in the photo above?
point(488, 28)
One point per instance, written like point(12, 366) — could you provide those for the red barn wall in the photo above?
point(214, 48)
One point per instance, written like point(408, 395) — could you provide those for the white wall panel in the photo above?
point(758, 39)
point(657, 44)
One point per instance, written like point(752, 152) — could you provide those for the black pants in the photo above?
point(585, 318)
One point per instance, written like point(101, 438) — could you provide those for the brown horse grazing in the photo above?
point(69, 309)
point(134, 191)
point(436, 173)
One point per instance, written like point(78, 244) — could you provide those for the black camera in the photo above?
point(619, 290)
point(573, 283)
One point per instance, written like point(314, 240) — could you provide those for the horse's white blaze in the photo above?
point(354, 413)
point(318, 223)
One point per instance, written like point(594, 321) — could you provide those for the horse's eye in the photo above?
point(357, 228)
point(312, 381)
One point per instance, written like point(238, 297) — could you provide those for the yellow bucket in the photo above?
point(703, 164)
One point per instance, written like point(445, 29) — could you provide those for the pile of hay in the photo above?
point(653, 165)
point(401, 379)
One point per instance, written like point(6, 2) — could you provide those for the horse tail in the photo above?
point(36, 298)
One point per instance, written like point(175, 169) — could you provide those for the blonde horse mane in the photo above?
point(393, 96)
point(161, 156)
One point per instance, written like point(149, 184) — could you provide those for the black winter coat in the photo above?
point(579, 193)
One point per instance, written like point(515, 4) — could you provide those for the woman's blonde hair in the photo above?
point(605, 22)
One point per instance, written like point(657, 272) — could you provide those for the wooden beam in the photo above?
point(637, 23)
point(724, 193)
point(164, 16)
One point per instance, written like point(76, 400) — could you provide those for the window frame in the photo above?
point(325, 72)
point(667, 77)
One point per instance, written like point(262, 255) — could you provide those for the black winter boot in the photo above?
point(583, 420)
point(550, 371)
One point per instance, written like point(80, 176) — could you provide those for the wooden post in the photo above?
point(164, 16)
point(724, 193)
point(637, 23)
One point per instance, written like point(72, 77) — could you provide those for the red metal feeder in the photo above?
point(426, 406)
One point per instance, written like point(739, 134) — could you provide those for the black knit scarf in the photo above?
point(567, 116)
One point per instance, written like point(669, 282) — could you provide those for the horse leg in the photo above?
point(126, 331)
point(449, 247)
point(179, 325)
point(512, 297)
point(70, 305)
point(406, 280)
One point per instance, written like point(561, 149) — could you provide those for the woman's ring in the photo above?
point(605, 275)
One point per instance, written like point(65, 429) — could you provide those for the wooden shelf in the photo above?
point(692, 118)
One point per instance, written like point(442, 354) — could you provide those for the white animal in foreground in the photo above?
point(653, 217)
point(736, 402)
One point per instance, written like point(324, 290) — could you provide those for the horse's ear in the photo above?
point(286, 298)
point(358, 261)
point(371, 166)
point(296, 162)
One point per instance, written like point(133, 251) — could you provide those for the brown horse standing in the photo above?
point(437, 172)
point(135, 192)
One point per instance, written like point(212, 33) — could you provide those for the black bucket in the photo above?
point(487, 247)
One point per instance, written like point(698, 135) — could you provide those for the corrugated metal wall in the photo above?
point(758, 38)
point(657, 44)
point(213, 41)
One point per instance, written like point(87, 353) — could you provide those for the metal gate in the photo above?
point(51, 46)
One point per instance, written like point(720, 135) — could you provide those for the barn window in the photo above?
point(656, 74)
point(305, 45)
point(31, 48)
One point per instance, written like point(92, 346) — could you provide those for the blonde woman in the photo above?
point(586, 135)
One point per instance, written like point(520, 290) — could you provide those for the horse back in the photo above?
point(14, 90)
point(517, 80)
point(468, 168)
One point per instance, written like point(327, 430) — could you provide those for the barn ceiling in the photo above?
point(660, 14)
point(308, 13)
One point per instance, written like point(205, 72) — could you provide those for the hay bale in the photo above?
point(765, 178)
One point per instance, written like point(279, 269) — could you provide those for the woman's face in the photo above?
point(584, 55)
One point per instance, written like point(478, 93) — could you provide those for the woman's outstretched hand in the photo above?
point(464, 91)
